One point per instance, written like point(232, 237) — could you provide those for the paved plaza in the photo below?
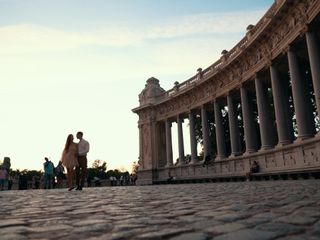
point(239, 210)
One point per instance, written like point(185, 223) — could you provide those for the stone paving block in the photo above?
point(248, 234)
point(14, 229)
point(300, 237)
point(225, 228)
point(128, 234)
point(316, 228)
point(297, 219)
point(88, 222)
point(12, 222)
point(13, 236)
point(50, 229)
point(309, 211)
point(281, 228)
point(231, 217)
point(192, 236)
point(251, 222)
point(164, 233)
point(203, 224)
point(38, 222)
point(206, 213)
point(236, 207)
point(101, 227)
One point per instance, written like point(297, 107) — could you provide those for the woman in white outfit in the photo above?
point(69, 159)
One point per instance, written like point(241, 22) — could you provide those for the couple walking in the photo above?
point(74, 158)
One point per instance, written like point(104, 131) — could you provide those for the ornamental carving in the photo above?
point(241, 63)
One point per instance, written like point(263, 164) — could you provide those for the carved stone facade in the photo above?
point(285, 40)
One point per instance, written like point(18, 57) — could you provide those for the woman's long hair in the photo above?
point(68, 142)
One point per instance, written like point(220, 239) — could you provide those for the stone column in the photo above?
point(301, 98)
point(220, 137)
point(169, 143)
point(193, 140)
point(265, 119)
point(250, 134)
point(233, 128)
point(205, 132)
point(281, 107)
point(180, 140)
point(314, 58)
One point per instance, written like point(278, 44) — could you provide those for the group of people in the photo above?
point(50, 174)
point(74, 159)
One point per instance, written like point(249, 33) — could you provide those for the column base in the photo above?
point(235, 154)
point(194, 161)
point(250, 151)
point(221, 157)
point(282, 144)
point(304, 137)
point(265, 148)
point(169, 165)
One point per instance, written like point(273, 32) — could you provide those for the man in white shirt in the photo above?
point(81, 170)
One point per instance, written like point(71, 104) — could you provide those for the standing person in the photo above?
point(81, 170)
point(3, 178)
point(48, 173)
point(59, 171)
point(69, 159)
point(9, 182)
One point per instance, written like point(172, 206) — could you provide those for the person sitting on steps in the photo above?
point(255, 168)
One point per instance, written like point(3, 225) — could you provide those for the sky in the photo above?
point(79, 65)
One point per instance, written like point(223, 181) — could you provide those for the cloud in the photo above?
point(30, 38)
point(208, 23)
point(26, 38)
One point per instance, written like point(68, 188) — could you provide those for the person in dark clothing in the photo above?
point(255, 168)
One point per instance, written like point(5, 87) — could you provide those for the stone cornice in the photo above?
point(282, 24)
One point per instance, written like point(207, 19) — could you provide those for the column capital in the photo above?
point(179, 118)
point(305, 28)
point(268, 63)
point(286, 49)
point(169, 123)
point(191, 111)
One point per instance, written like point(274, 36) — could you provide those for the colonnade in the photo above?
point(268, 115)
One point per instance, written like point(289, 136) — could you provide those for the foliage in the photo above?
point(135, 167)
point(28, 174)
point(98, 170)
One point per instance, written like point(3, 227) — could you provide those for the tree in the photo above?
point(98, 169)
point(28, 174)
point(135, 167)
point(98, 164)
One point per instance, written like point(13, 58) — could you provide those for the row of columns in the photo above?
point(302, 106)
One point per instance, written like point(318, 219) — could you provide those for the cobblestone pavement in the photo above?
point(241, 210)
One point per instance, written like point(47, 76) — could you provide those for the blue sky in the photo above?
point(80, 65)
point(83, 13)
